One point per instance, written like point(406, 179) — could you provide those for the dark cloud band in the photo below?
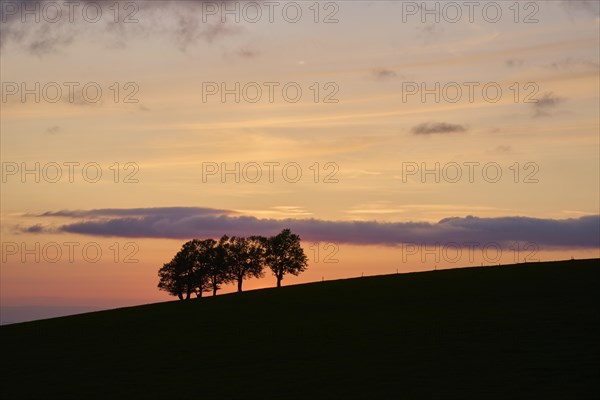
point(190, 222)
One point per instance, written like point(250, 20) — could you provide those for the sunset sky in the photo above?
point(516, 115)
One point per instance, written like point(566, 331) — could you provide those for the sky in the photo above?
point(393, 136)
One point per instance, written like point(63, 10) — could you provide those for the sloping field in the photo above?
point(526, 331)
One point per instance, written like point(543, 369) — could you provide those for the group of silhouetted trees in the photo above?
point(204, 265)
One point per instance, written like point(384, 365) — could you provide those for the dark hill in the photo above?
point(525, 331)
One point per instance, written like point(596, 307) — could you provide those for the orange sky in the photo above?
point(353, 145)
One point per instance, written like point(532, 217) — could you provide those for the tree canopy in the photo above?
point(206, 265)
point(284, 255)
point(180, 276)
point(246, 258)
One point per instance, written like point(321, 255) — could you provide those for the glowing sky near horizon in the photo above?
point(361, 145)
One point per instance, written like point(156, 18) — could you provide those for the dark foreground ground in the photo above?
point(528, 331)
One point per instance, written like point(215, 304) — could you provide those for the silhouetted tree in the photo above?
point(218, 261)
point(246, 258)
point(284, 255)
point(179, 276)
point(199, 253)
point(205, 265)
point(169, 279)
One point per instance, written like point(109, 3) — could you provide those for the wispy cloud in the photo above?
point(574, 65)
point(546, 104)
point(383, 74)
point(53, 130)
point(180, 21)
point(430, 33)
point(502, 149)
point(514, 62)
point(248, 53)
point(428, 128)
point(589, 6)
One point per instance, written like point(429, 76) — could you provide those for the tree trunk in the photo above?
point(214, 290)
point(180, 295)
point(279, 278)
point(240, 280)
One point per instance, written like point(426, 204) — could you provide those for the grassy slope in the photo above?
point(525, 331)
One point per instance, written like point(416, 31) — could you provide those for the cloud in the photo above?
point(514, 62)
point(589, 6)
point(192, 222)
point(183, 22)
point(47, 41)
point(171, 212)
point(38, 228)
point(53, 130)
point(248, 53)
point(547, 103)
point(430, 33)
point(383, 74)
point(428, 128)
point(190, 29)
point(572, 65)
